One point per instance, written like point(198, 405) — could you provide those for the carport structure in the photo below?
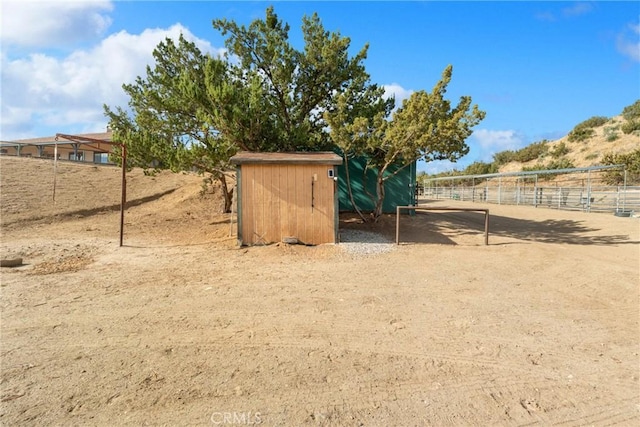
point(86, 148)
point(51, 148)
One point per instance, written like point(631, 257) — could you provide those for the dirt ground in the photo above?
point(181, 327)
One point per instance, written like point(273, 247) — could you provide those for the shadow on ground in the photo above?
point(444, 227)
point(81, 213)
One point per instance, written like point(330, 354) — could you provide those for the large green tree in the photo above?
point(194, 110)
point(426, 127)
point(171, 123)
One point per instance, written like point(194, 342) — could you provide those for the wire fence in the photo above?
point(582, 189)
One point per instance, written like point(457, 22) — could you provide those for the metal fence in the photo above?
point(569, 189)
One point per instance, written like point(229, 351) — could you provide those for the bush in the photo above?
point(584, 130)
point(611, 133)
point(480, 168)
point(632, 164)
point(559, 150)
point(533, 151)
point(504, 157)
point(581, 134)
point(562, 163)
point(630, 126)
point(632, 112)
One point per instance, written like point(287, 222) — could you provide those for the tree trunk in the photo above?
point(377, 212)
point(226, 193)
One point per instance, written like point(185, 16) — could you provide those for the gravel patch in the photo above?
point(357, 242)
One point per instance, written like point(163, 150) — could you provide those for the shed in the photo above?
point(284, 196)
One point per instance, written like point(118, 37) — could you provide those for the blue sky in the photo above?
point(536, 68)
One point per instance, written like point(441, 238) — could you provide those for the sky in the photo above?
point(536, 68)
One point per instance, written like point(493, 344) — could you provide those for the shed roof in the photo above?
point(322, 157)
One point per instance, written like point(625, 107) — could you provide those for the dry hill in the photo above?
point(607, 138)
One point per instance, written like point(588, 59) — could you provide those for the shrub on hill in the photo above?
point(480, 168)
point(632, 112)
point(504, 157)
point(631, 161)
point(559, 150)
point(534, 151)
point(584, 130)
point(631, 115)
point(611, 133)
point(561, 163)
point(630, 126)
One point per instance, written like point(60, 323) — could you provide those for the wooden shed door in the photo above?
point(287, 200)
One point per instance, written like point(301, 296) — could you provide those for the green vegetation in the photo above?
point(631, 115)
point(632, 164)
point(504, 157)
point(560, 150)
point(630, 126)
point(561, 163)
point(194, 111)
point(534, 151)
point(480, 168)
point(426, 127)
point(631, 112)
point(611, 133)
point(584, 130)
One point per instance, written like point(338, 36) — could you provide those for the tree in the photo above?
point(172, 125)
point(196, 111)
point(426, 127)
point(297, 85)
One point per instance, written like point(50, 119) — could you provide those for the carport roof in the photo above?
point(62, 139)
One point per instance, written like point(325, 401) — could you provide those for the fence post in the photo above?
point(624, 194)
point(397, 225)
point(589, 191)
point(473, 190)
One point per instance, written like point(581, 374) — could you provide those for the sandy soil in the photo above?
point(181, 327)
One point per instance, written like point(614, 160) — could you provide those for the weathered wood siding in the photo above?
point(277, 203)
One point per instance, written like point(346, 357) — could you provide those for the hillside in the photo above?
point(607, 138)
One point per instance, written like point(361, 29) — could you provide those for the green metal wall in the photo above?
point(399, 190)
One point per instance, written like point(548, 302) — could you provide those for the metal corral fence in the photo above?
point(571, 189)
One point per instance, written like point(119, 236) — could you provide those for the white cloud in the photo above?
point(437, 166)
point(68, 93)
point(577, 9)
point(490, 142)
point(546, 16)
point(400, 93)
point(53, 23)
point(629, 45)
